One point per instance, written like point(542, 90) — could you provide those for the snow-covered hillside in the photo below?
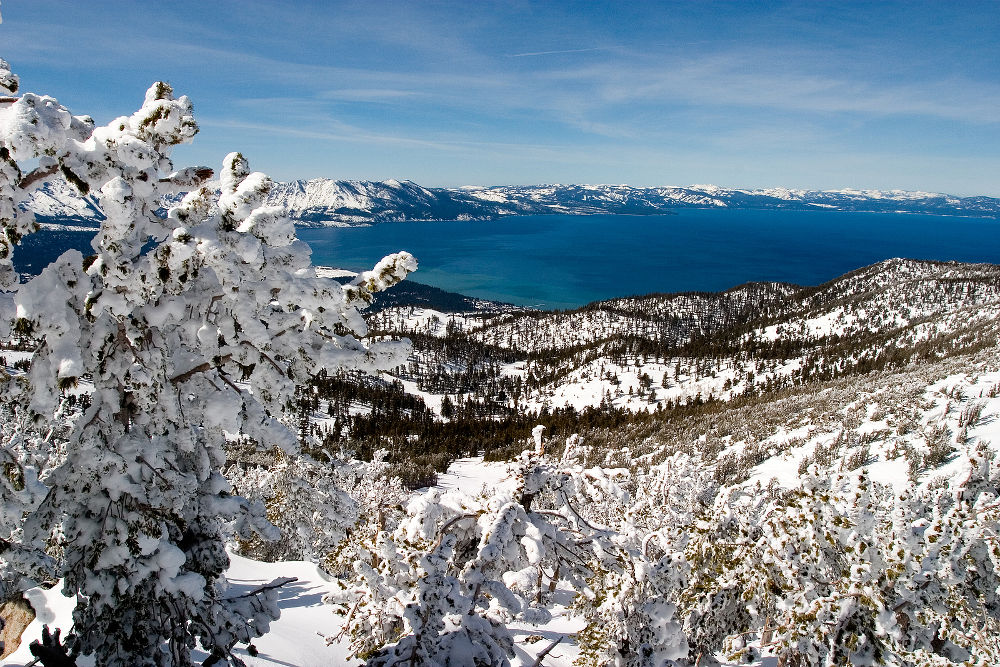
point(644, 353)
point(918, 425)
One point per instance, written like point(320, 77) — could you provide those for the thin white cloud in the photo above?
point(558, 52)
point(331, 130)
point(618, 106)
point(367, 94)
point(328, 130)
point(736, 81)
point(587, 98)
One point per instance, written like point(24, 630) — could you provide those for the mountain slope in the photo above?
point(643, 353)
point(894, 363)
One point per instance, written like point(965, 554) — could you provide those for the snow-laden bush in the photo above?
point(28, 454)
point(324, 510)
point(841, 570)
point(301, 498)
point(189, 325)
point(442, 587)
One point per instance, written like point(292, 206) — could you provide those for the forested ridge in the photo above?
point(498, 373)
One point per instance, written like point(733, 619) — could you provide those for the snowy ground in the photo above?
point(299, 637)
point(472, 474)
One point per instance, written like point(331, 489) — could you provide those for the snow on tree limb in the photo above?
point(387, 272)
point(191, 326)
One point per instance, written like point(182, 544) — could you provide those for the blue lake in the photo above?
point(564, 261)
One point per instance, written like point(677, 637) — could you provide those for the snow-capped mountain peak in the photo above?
point(321, 201)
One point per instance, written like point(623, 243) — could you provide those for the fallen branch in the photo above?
point(541, 656)
point(277, 583)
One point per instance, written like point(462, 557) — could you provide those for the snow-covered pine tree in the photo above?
point(31, 127)
point(190, 325)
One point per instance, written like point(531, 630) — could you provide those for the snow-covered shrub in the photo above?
point(632, 619)
point(380, 497)
point(945, 558)
point(459, 568)
point(630, 604)
point(842, 571)
point(29, 451)
point(666, 499)
point(302, 500)
point(171, 313)
point(409, 602)
point(317, 505)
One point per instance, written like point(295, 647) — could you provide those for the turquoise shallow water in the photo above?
point(562, 261)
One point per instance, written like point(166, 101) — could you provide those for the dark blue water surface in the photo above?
point(563, 261)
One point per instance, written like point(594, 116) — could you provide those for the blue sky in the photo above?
point(745, 94)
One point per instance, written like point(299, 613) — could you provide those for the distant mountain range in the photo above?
point(328, 202)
